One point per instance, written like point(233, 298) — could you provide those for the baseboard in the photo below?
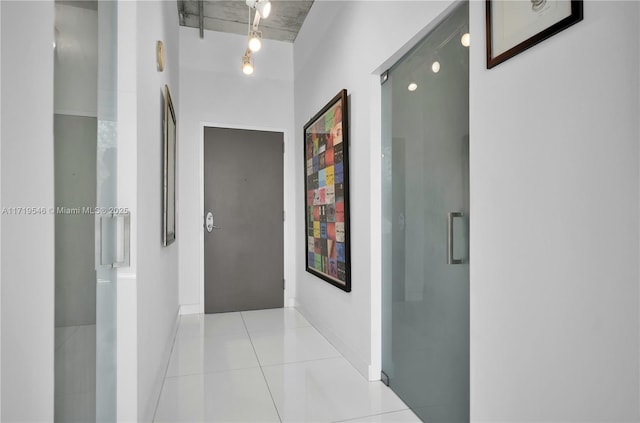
point(361, 365)
point(374, 373)
point(189, 309)
point(152, 405)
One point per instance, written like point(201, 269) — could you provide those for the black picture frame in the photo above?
point(326, 183)
point(494, 57)
point(169, 166)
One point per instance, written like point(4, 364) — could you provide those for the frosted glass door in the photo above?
point(107, 201)
point(425, 229)
point(87, 233)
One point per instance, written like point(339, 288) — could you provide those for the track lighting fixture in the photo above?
point(262, 6)
point(255, 40)
point(247, 63)
point(254, 44)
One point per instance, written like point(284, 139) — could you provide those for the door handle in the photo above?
point(450, 258)
point(126, 241)
point(121, 257)
point(98, 241)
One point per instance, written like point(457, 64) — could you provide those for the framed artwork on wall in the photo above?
point(326, 158)
point(169, 200)
point(514, 26)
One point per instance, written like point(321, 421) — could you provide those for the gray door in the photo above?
point(244, 239)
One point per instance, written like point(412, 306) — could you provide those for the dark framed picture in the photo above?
point(326, 158)
point(514, 26)
point(169, 215)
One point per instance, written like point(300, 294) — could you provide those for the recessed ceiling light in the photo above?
point(435, 66)
point(412, 87)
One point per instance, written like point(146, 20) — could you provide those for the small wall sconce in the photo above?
point(160, 56)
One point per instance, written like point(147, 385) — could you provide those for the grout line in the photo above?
point(261, 370)
point(374, 415)
point(283, 329)
point(203, 336)
point(164, 378)
point(212, 372)
point(201, 319)
point(307, 361)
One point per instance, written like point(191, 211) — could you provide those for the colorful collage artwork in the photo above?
point(327, 228)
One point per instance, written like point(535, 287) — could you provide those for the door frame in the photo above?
point(288, 292)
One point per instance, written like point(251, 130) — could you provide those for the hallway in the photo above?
point(266, 366)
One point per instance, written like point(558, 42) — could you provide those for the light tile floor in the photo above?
point(267, 366)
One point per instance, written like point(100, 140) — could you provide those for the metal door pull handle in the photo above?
point(126, 241)
point(123, 241)
point(450, 258)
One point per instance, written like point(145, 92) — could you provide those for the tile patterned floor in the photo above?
point(267, 366)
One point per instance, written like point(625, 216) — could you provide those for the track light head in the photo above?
point(247, 64)
point(255, 41)
point(262, 6)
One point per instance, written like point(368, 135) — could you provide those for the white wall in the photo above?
point(157, 266)
point(214, 90)
point(27, 240)
point(554, 233)
point(0, 219)
point(340, 45)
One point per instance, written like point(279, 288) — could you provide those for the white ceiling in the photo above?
point(231, 16)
